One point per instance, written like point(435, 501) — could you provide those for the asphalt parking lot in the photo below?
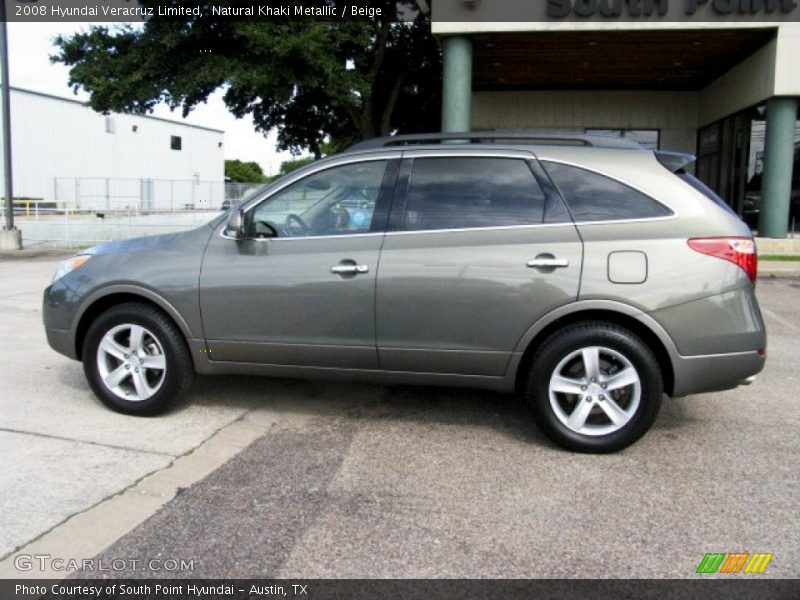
point(368, 481)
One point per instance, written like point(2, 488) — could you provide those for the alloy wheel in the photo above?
point(595, 391)
point(131, 362)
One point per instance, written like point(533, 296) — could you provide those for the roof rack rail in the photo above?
point(495, 137)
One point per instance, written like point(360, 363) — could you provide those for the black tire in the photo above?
point(162, 336)
point(559, 347)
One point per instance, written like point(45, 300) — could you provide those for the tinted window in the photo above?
point(594, 197)
point(458, 193)
point(337, 201)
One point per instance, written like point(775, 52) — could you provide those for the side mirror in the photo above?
point(234, 228)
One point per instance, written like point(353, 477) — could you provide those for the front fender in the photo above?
point(131, 290)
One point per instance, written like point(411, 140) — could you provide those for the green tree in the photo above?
point(288, 166)
point(312, 82)
point(243, 172)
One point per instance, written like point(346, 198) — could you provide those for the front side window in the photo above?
point(594, 197)
point(462, 193)
point(337, 201)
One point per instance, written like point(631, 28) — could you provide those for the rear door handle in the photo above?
point(547, 262)
point(349, 269)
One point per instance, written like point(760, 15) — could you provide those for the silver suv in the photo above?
point(586, 273)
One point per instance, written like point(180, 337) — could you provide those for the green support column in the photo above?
point(456, 84)
point(776, 186)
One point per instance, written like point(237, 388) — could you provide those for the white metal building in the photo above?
point(64, 152)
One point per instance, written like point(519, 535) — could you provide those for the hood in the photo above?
point(147, 243)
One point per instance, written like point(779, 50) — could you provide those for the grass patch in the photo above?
point(779, 257)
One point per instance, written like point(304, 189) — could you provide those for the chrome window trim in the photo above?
point(297, 239)
point(674, 214)
point(415, 232)
point(623, 221)
point(489, 228)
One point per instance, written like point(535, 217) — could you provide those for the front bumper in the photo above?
point(62, 341)
point(57, 313)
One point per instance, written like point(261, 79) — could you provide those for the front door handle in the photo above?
point(349, 269)
point(547, 261)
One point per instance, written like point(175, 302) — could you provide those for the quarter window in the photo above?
point(460, 193)
point(594, 197)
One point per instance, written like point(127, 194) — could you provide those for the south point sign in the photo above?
point(559, 9)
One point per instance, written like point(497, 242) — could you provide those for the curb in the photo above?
point(777, 269)
point(88, 533)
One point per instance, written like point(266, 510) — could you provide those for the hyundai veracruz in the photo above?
point(586, 273)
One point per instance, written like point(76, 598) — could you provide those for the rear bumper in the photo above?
point(715, 372)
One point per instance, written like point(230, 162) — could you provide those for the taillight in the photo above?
point(740, 251)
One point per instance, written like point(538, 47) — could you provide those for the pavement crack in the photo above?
point(89, 442)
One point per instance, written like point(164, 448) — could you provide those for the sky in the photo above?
point(31, 44)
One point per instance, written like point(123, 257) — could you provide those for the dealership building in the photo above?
point(716, 78)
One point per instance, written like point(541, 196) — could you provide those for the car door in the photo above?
point(300, 288)
point(479, 247)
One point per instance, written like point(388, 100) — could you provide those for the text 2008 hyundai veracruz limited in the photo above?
point(588, 273)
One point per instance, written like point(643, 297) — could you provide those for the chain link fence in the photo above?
point(88, 210)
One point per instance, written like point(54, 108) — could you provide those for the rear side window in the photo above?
point(594, 197)
point(460, 193)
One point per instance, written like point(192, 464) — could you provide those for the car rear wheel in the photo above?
point(594, 387)
point(136, 359)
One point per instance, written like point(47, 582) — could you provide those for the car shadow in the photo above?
point(320, 402)
point(324, 401)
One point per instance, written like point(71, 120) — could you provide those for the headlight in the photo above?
point(69, 265)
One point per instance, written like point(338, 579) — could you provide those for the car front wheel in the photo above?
point(136, 360)
point(594, 387)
